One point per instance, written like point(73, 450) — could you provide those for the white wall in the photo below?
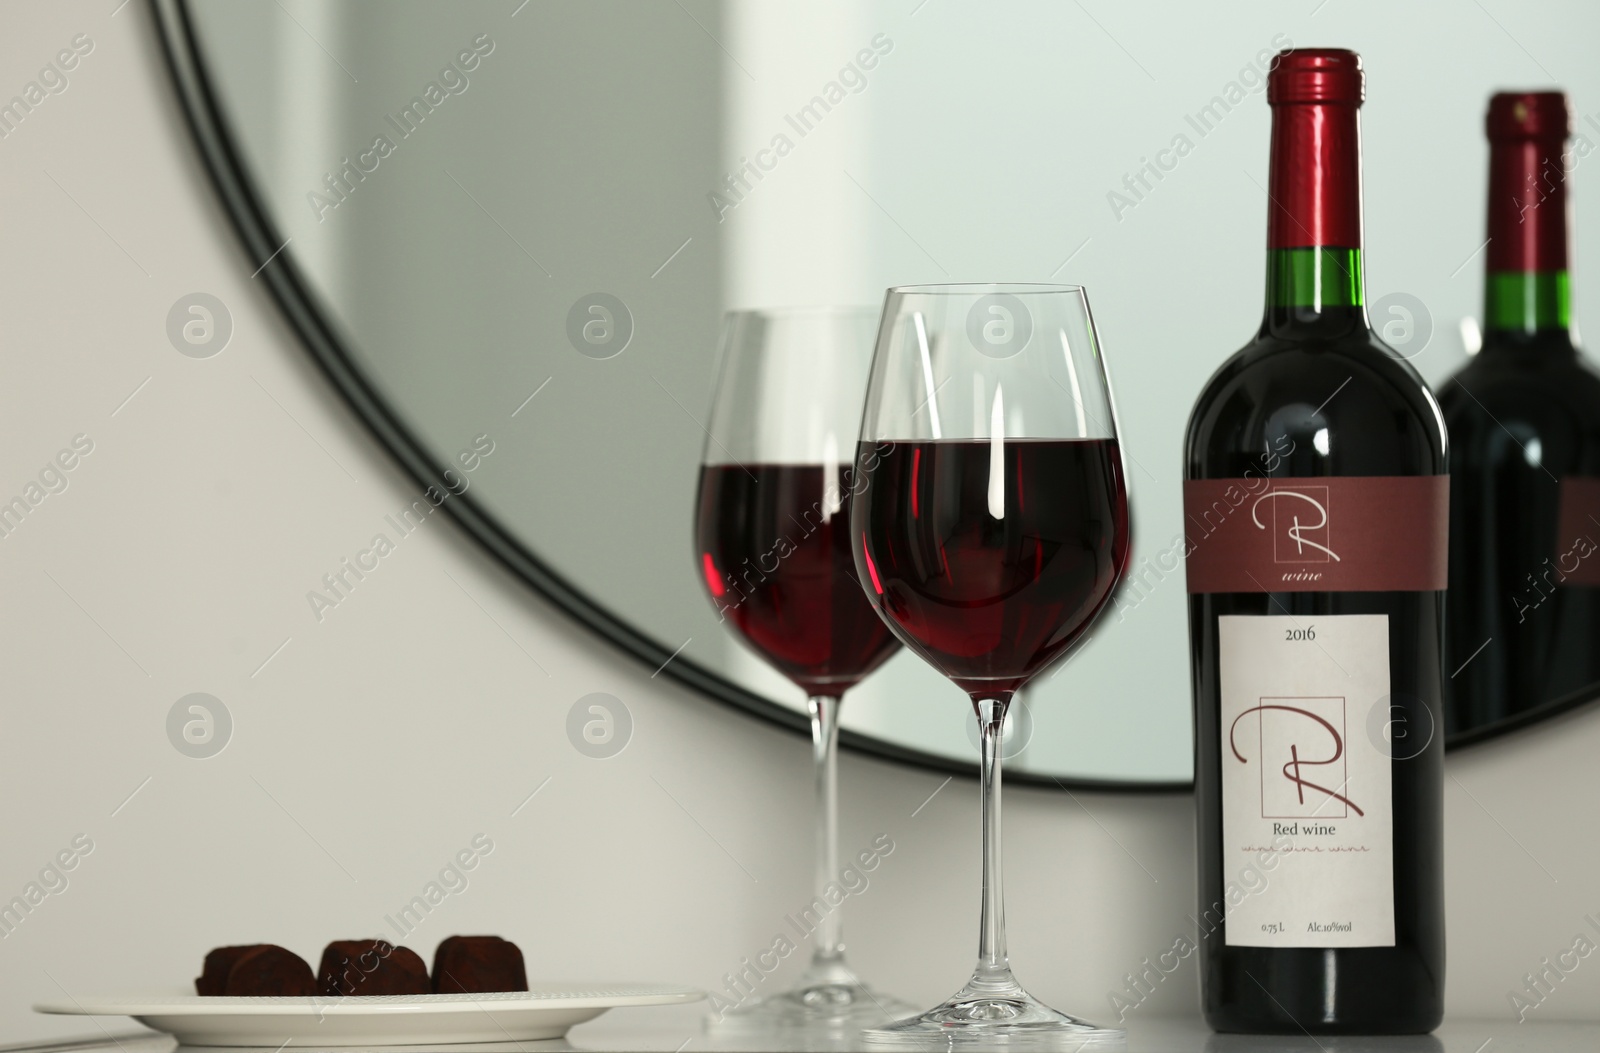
point(376, 744)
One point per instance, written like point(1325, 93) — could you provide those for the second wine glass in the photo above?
point(773, 548)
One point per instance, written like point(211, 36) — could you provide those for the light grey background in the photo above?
point(984, 143)
point(177, 561)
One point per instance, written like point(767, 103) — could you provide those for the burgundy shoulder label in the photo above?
point(1577, 531)
point(1323, 534)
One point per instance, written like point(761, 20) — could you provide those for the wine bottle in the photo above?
point(1316, 515)
point(1524, 421)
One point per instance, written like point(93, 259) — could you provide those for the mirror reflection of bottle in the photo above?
point(1524, 420)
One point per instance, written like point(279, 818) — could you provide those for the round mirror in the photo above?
point(509, 231)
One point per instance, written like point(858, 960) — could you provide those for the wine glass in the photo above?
point(773, 539)
point(990, 527)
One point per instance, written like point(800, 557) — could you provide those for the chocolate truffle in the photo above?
point(255, 969)
point(370, 967)
point(270, 970)
point(475, 964)
point(213, 978)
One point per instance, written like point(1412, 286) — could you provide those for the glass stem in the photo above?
point(829, 953)
point(994, 966)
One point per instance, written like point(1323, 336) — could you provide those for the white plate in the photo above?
point(376, 1020)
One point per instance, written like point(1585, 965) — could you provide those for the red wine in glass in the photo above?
point(990, 600)
point(774, 542)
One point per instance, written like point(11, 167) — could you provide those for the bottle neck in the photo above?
point(1526, 302)
point(1315, 285)
point(1314, 292)
point(1526, 288)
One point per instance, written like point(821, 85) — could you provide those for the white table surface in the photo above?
point(678, 1028)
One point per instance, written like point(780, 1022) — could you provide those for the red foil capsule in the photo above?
point(1315, 179)
point(1527, 181)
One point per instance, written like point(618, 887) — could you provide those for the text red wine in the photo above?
point(1316, 630)
point(774, 553)
point(991, 559)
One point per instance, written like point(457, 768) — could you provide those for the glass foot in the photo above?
point(844, 1007)
point(1009, 1019)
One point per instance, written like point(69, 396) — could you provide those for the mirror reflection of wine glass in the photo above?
point(990, 527)
point(773, 549)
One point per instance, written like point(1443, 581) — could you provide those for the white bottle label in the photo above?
point(1307, 816)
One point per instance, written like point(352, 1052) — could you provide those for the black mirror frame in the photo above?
point(270, 261)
